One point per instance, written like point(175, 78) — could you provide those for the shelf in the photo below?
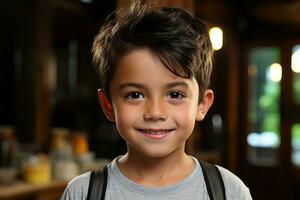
point(24, 191)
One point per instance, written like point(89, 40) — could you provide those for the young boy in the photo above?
point(155, 66)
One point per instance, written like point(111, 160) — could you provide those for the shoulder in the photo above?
point(234, 186)
point(77, 188)
point(81, 181)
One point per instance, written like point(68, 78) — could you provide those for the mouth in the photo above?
point(155, 133)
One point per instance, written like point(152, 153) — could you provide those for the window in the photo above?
point(295, 129)
point(296, 144)
point(296, 72)
point(264, 72)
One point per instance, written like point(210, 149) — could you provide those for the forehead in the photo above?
point(144, 67)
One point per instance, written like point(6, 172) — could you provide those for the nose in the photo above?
point(155, 110)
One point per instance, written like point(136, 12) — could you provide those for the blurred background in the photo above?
point(52, 127)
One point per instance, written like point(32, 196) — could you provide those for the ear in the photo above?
point(106, 105)
point(205, 104)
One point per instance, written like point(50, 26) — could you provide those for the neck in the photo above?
point(156, 171)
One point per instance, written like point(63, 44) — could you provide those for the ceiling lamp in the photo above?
point(216, 38)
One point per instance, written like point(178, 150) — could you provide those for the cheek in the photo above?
point(185, 116)
point(125, 116)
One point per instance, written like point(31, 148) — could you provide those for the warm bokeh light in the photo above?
point(296, 61)
point(275, 73)
point(216, 37)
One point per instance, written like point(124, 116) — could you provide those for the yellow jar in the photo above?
point(37, 170)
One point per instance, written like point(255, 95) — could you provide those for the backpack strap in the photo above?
point(213, 180)
point(97, 185)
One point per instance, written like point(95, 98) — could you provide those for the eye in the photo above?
point(176, 95)
point(134, 96)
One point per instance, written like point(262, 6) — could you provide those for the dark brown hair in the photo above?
point(179, 40)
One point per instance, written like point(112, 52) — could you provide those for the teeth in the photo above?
point(155, 132)
point(160, 132)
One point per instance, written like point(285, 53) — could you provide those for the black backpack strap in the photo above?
point(213, 180)
point(97, 185)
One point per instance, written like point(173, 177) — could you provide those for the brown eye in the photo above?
point(176, 95)
point(134, 95)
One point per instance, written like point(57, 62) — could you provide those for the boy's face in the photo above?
point(154, 110)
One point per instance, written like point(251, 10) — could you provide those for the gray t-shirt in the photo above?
point(119, 187)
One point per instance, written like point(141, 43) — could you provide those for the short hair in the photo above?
point(179, 40)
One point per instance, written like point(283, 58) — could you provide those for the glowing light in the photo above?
point(264, 139)
point(216, 38)
point(296, 61)
point(86, 1)
point(275, 72)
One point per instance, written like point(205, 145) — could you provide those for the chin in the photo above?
point(158, 154)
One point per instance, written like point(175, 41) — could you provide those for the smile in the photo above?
point(155, 133)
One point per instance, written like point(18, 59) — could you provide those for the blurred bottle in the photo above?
point(8, 147)
point(59, 139)
point(83, 157)
point(80, 143)
point(64, 166)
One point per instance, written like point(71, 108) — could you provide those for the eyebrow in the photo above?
point(141, 86)
point(176, 84)
point(129, 84)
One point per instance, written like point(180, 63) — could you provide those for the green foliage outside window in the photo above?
point(297, 88)
point(296, 79)
point(296, 132)
point(269, 107)
point(296, 144)
point(264, 110)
